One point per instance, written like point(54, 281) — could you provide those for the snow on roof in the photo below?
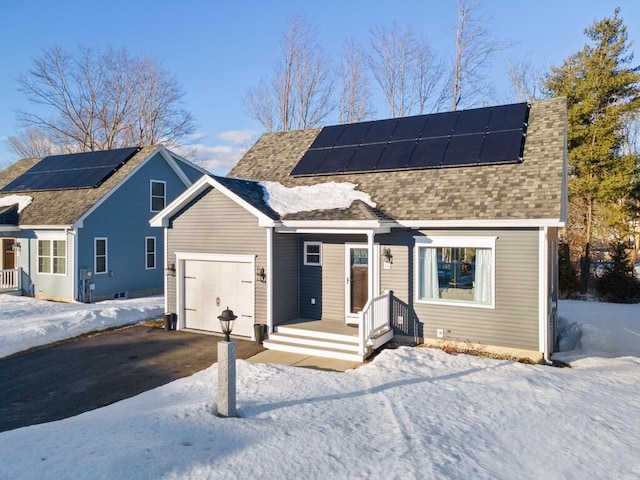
point(22, 201)
point(323, 196)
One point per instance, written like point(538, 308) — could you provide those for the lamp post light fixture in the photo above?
point(226, 323)
point(227, 367)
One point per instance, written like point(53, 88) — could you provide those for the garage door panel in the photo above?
point(212, 286)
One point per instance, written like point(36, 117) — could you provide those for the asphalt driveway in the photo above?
point(82, 374)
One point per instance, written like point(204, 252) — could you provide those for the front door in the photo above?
point(357, 278)
point(8, 255)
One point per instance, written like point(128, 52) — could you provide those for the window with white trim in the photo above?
point(100, 255)
point(52, 257)
point(313, 253)
point(158, 195)
point(456, 270)
point(150, 252)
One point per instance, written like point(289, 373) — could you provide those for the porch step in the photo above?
point(306, 342)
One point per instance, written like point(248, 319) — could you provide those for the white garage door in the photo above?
point(212, 286)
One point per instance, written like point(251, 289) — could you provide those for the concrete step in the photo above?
point(314, 342)
point(300, 332)
point(286, 346)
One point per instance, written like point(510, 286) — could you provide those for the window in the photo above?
point(158, 195)
point(52, 256)
point(456, 270)
point(312, 253)
point(150, 252)
point(100, 264)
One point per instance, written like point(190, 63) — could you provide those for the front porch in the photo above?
point(336, 339)
point(11, 280)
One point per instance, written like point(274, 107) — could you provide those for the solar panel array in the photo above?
point(480, 136)
point(72, 171)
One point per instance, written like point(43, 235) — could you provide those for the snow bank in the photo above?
point(324, 196)
point(23, 201)
point(26, 322)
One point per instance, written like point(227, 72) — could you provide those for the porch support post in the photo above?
point(373, 263)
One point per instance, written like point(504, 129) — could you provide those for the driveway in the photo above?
point(82, 374)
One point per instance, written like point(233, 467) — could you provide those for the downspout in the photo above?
point(543, 292)
point(164, 272)
point(74, 272)
point(269, 279)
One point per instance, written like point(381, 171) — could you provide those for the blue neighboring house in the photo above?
point(76, 227)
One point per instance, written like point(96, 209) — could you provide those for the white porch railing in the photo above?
point(374, 319)
point(11, 280)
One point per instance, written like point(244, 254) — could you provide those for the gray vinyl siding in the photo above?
point(327, 286)
point(285, 278)
point(213, 223)
point(514, 321)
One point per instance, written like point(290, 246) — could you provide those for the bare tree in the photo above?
point(475, 46)
point(527, 81)
point(99, 100)
point(406, 69)
point(299, 94)
point(355, 94)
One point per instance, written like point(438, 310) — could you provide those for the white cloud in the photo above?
point(237, 137)
point(218, 159)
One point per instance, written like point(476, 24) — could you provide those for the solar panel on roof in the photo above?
point(452, 139)
point(429, 153)
point(365, 158)
point(78, 170)
point(439, 124)
point(353, 134)
point(327, 136)
point(396, 155)
point(501, 147)
point(409, 128)
point(463, 150)
point(472, 121)
point(310, 161)
point(337, 160)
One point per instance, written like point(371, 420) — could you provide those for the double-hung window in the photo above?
point(150, 252)
point(456, 270)
point(158, 195)
point(52, 256)
point(100, 255)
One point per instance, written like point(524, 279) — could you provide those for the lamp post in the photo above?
point(227, 367)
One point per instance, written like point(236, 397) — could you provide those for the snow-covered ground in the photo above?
point(26, 322)
point(411, 413)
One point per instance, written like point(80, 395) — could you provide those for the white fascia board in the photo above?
point(333, 226)
point(9, 228)
point(80, 222)
point(162, 218)
point(174, 166)
point(46, 227)
point(514, 223)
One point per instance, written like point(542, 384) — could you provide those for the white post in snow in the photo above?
point(226, 379)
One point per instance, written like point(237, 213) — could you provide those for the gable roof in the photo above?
point(533, 189)
point(67, 206)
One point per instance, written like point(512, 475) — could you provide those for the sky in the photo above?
point(412, 412)
point(219, 49)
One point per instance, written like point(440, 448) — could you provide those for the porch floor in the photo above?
point(324, 326)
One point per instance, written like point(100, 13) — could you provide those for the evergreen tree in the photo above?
point(601, 87)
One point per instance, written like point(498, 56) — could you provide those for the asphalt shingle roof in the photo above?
point(532, 189)
point(64, 207)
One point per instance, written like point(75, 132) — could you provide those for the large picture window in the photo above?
point(52, 256)
point(100, 263)
point(456, 270)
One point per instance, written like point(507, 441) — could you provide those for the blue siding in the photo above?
point(123, 219)
point(192, 173)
